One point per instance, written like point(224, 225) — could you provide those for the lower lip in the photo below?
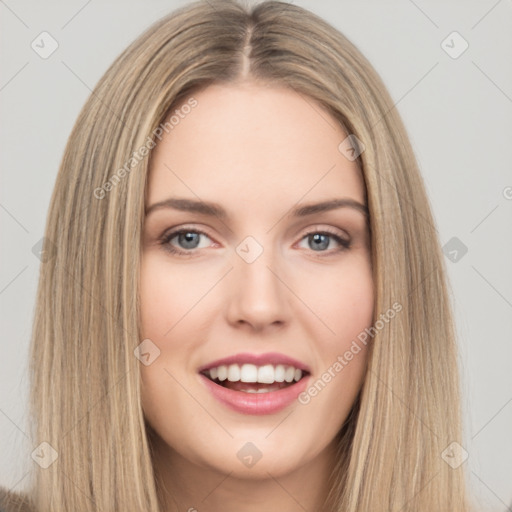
point(256, 403)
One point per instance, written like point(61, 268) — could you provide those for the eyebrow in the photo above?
point(214, 209)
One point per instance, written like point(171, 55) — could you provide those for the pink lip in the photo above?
point(256, 403)
point(258, 360)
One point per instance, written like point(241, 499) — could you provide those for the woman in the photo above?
point(244, 305)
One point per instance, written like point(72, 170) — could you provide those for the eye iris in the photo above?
point(320, 241)
point(188, 240)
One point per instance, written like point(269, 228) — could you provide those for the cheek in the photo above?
point(341, 356)
point(346, 308)
point(167, 293)
point(353, 307)
point(168, 296)
point(343, 299)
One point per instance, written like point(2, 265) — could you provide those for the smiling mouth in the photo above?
point(249, 378)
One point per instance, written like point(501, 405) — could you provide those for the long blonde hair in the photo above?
point(85, 389)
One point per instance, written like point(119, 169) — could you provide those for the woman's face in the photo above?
point(256, 289)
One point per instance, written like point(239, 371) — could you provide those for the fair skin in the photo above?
point(258, 152)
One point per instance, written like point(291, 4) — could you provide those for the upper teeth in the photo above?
point(267, 374)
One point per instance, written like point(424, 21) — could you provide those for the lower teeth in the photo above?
point(261, 390)
point(253, 387)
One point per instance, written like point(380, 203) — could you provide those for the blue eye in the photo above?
point(188, 239)
point(191, 240)
point(319, 241)
point(184, 242)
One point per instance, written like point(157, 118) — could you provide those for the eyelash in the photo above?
point(166, 239)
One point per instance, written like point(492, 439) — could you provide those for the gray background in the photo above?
point(458, 112)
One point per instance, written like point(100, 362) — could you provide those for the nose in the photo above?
point(257, 294)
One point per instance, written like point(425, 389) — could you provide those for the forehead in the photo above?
point(256, 144)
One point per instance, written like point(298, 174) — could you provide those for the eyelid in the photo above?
point(322, 228)
point(184, 227)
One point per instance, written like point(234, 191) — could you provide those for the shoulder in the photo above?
point(11, 501)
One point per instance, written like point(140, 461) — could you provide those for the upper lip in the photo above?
point(273, 358)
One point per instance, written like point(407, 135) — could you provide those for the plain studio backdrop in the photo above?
point(447, 67)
